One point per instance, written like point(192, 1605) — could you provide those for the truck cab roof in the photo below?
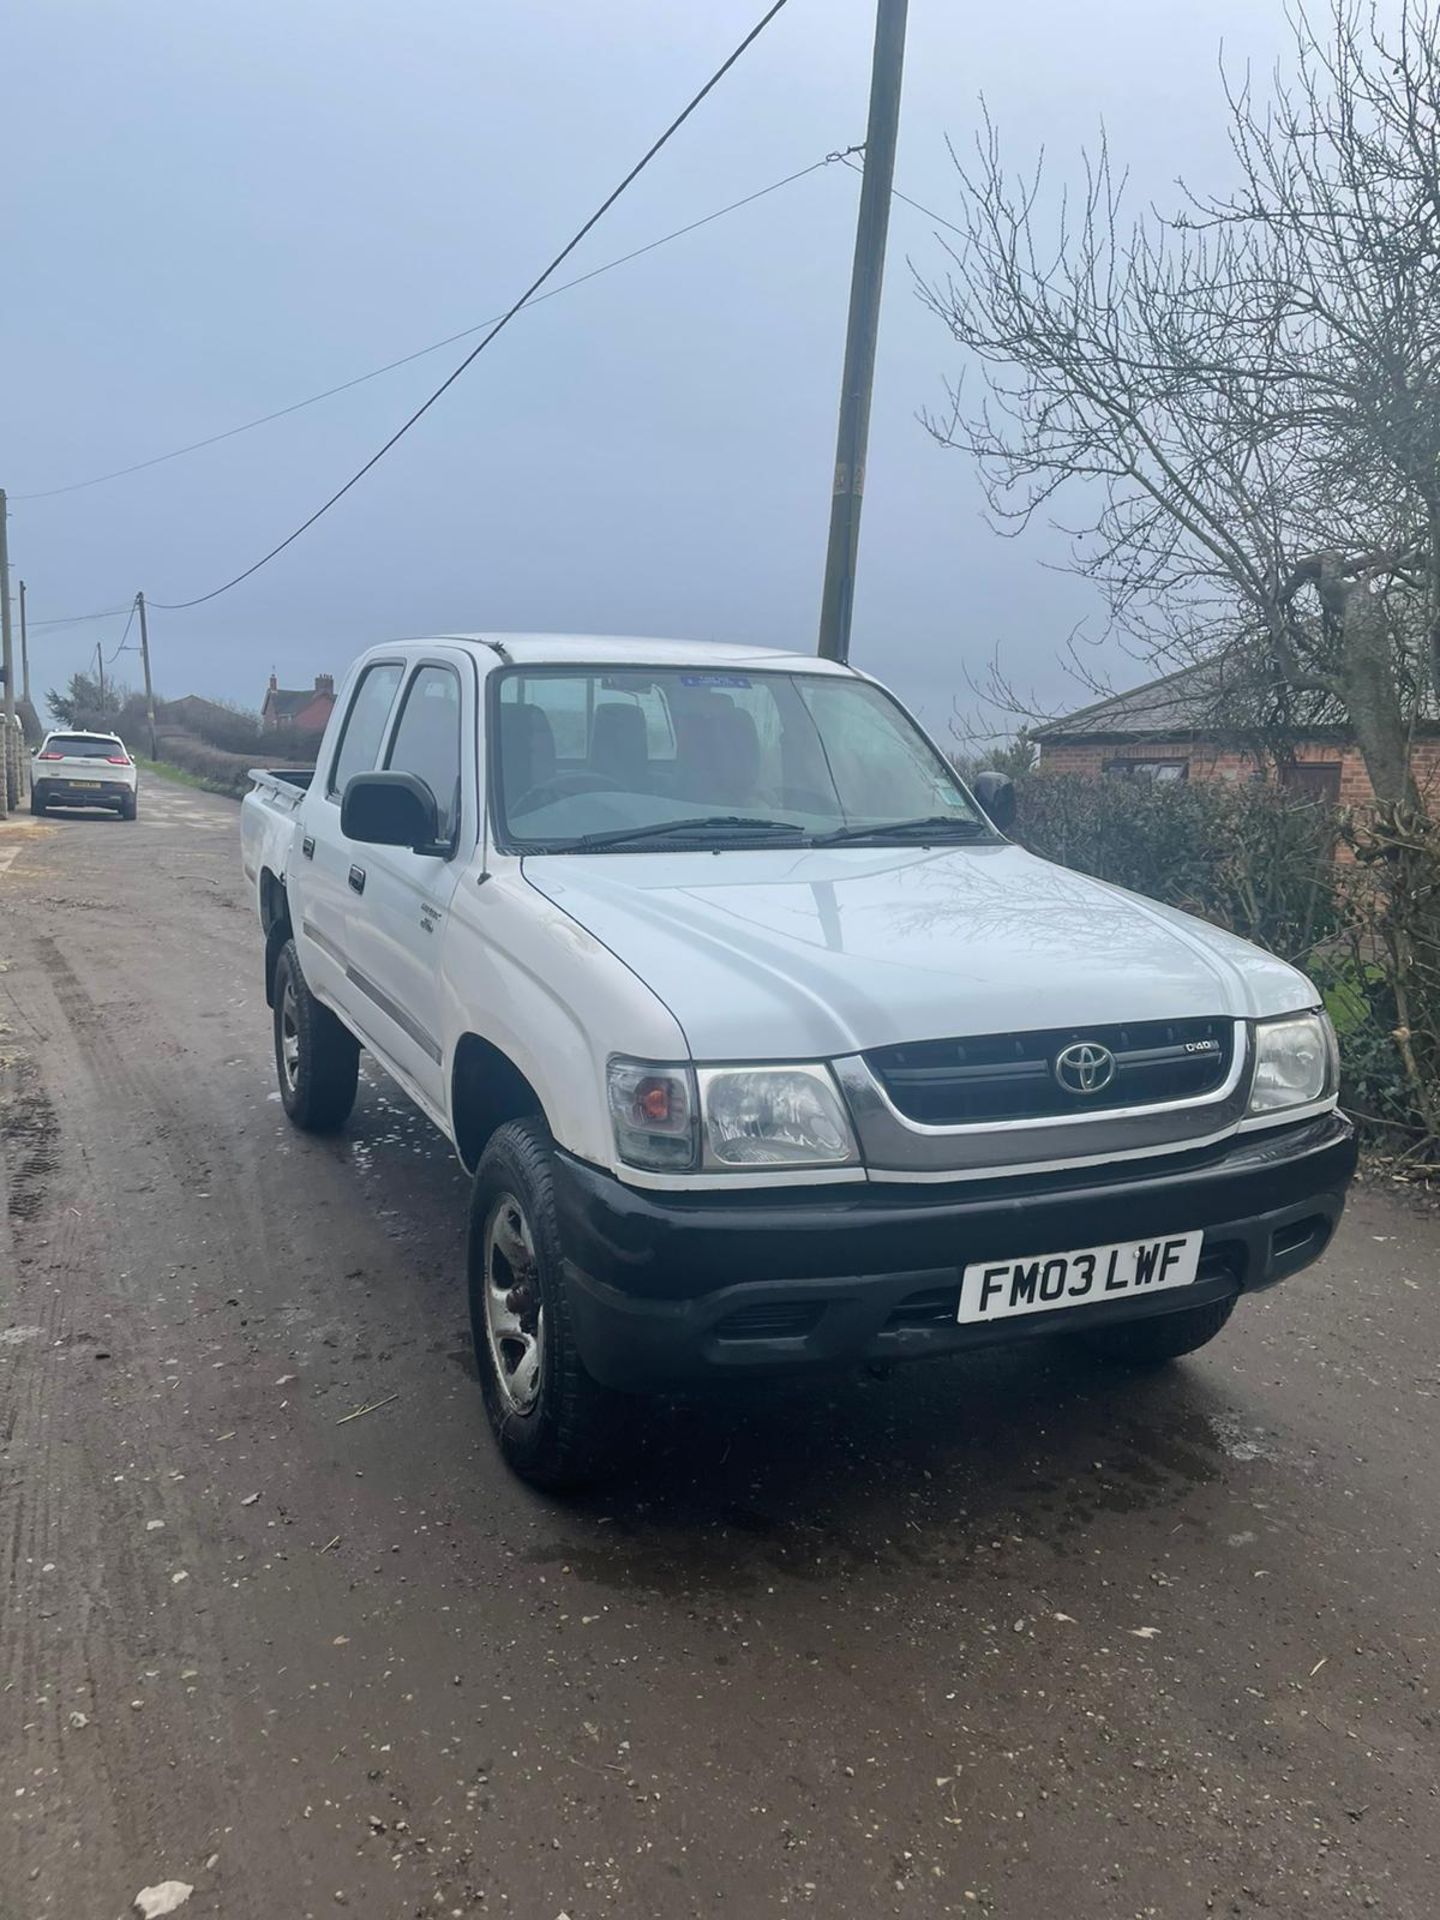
point(600, 649)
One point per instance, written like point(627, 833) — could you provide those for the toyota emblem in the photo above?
point(1086, 1067)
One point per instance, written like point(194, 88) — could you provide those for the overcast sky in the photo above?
point(215, 211)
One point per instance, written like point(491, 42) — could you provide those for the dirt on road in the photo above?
point(1009, 1635)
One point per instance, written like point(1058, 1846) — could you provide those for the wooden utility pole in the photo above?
point(9, 763)
point(838, 599)
point(24, 651)
point(145, 662)
point(100, 675)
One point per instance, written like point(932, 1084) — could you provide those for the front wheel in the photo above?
point(317, 1060)
point(1161, 1337)
point(555, 1426)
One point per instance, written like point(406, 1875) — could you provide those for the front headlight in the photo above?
point(1295, 1062)
point(680, 1119)
point(774, 1117)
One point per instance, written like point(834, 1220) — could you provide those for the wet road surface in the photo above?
point(1008, 1635)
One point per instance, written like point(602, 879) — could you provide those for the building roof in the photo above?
point(189, 702)
point(1231, 693)
point(1184, 702)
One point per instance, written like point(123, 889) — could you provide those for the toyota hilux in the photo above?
point(765, 1046)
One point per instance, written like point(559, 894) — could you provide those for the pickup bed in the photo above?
point(766, 1050)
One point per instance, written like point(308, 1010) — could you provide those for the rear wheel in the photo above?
point(317, 1060)
point(37, 803)
point(130, 806)
point(1161, 1337)
point(555, 1426)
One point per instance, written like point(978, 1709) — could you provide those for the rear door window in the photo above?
point(370, 706)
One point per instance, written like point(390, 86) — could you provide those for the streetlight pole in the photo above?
point(24, 651)
point(837, 600)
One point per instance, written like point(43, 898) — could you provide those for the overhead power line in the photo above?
point(895, 194)
point(119, 647)
point(407, 359)
point(78, 619)
point(62, 621)
point(178, 606)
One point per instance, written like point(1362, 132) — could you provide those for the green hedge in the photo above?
point(1262, 863)
point(1245, 856)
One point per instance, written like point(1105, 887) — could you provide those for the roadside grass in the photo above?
point(182, 776)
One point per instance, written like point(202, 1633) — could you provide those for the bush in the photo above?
point(1261, 863)
point(1393, 921)
point(290, 746)
point(1251, 858)
point(218, 771)
point(232, 730)
point(228, 772)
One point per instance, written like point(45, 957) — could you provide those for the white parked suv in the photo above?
point(766, 1049)
point(75, 769)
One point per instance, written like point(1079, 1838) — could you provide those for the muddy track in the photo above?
point(1004, 1636)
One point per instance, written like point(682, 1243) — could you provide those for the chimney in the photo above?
point(325, 683)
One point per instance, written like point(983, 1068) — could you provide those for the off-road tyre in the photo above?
point(317, 1060)
point(575, 1431)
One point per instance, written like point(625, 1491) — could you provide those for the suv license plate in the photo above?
point(999, 1289)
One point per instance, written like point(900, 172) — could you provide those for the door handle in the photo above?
point(357, 879)
point(307, 846)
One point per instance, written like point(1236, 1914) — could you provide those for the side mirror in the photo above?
point(996, 794)
point(391, 810)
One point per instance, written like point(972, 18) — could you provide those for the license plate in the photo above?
point(1000, 1289)
point(87, 783)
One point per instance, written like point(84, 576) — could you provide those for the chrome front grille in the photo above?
point(999, 1077)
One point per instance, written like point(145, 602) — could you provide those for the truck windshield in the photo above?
point(674, 757)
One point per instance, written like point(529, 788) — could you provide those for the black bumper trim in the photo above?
point(58, 794)
point(872, 1273)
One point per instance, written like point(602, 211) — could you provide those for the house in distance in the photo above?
point(194, 712)
point(306, 709)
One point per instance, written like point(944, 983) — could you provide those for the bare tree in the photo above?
point(1246, 391)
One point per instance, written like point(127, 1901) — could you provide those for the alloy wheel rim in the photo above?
point(289, 1037)
point(514, 1316)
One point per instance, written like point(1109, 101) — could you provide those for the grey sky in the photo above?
point(215, 211)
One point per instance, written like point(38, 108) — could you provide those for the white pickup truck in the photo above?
point(765, 1048)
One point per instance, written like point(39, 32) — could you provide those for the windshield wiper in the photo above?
point(935, 826)
point(702, 823)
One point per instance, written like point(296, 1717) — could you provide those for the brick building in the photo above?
point(1167, 730)
point(307, 709)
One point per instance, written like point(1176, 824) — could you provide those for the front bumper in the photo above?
point(676, 1288)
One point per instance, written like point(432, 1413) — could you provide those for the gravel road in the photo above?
point(1005, 1636)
